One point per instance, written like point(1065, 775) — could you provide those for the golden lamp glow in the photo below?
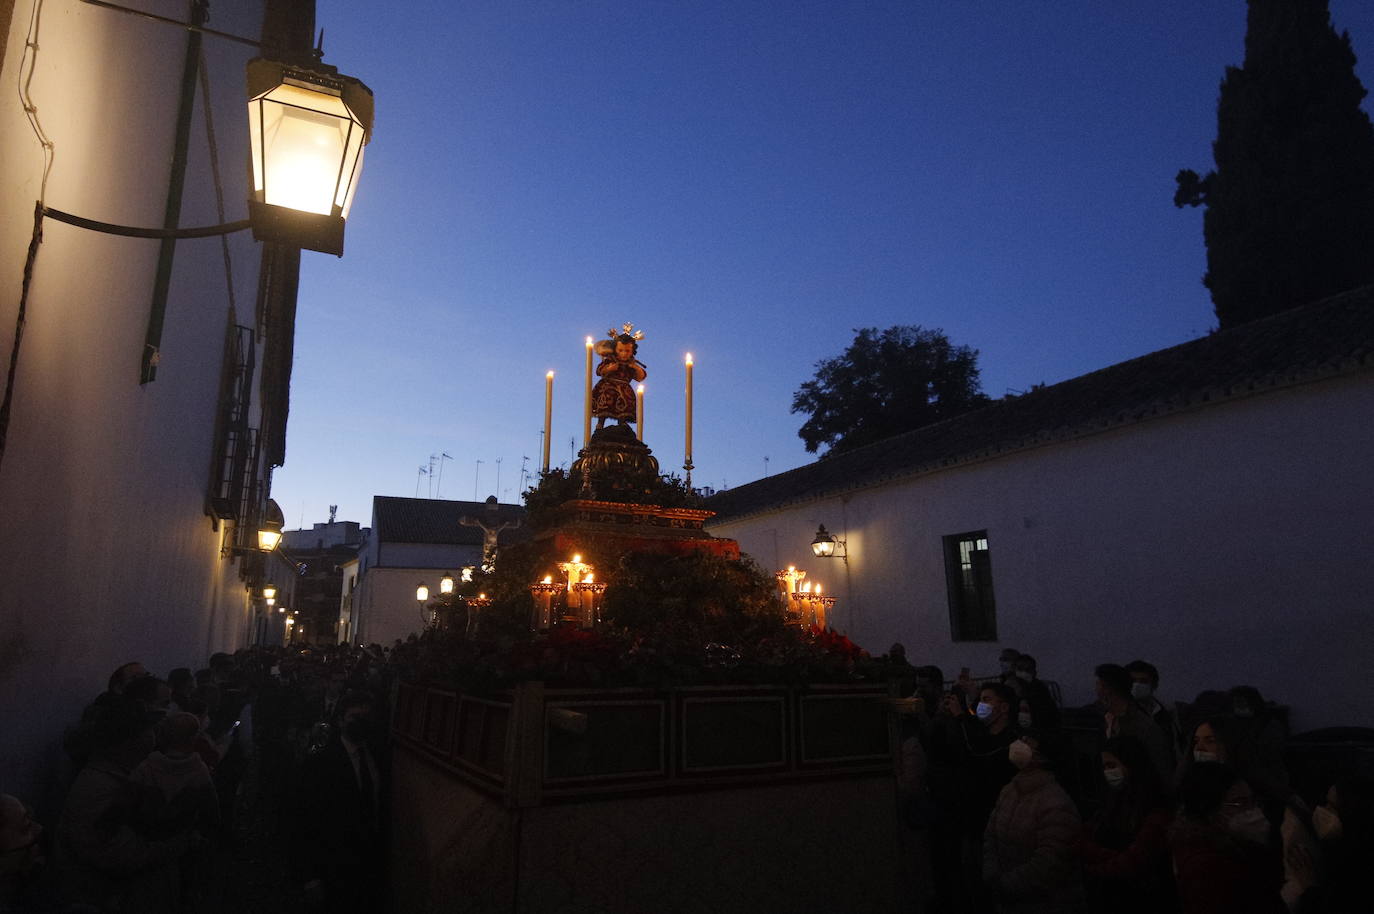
point(269, 591)
point(307, 127)
point(269, 530)
point(281, 609)
point(548, 579)
point(446, 584)
point(270, 600)
point(422, 593)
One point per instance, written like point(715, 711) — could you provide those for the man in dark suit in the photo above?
point(341, 855)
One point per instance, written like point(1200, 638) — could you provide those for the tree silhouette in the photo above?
point(884, 384)
point(1290, 205)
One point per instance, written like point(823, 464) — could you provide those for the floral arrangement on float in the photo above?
point(618, 584)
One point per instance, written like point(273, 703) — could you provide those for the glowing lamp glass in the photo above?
point(823, 546)
point(307, 129)
point(422, 593)
point(268, 539)
point(446, 584)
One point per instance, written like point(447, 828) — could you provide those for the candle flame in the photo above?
point(818, 590)
point(577, 559)
point(481, 596)
point(641, 388)
point(549, 375)
point(588, 579)
point(589, 342)
point(791, 568)
point(689, 358)
point(548, 579)
point(806, 588)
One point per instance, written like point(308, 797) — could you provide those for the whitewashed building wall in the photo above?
point(1227, 544)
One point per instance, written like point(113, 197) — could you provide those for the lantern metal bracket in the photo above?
point(129, 231)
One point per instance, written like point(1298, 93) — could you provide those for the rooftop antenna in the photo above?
point(498, 477)
point(765, 466)
point(432, 458)
point(333, 513)
point(476, 474)
point(421, 471)
point(440, 485)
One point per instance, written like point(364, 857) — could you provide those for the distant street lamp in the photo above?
point(446, 584)
point(308, 125)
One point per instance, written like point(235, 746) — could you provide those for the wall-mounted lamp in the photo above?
point(269, 530)
point(446, 584)
point(825, 544)
point(422, 593)
point(269, 592)
point(308, 126)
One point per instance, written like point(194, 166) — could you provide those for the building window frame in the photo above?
point(968, 583)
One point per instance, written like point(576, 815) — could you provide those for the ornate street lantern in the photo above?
point(823, 546)
point(446, 584)
point(422, 593)
point(308, 126)
point(269, 592)
point(269, 531)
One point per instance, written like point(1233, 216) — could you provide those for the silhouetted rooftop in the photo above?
point(432, 520)
point(1324, 339)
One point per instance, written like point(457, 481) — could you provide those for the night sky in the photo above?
point(748, 182)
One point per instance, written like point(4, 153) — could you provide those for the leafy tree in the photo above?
point(884, 384)
point(1290, 206)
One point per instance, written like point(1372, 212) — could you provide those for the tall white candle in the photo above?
point(689, 409)
point(587, 400)
point(639, 410)
point(548, 417)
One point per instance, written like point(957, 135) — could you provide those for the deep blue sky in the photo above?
point(749, 182)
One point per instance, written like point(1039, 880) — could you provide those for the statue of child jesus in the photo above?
point(613, 397)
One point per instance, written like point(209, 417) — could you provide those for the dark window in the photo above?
point(968, 577)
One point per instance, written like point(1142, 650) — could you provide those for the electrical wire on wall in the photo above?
point(27, 63)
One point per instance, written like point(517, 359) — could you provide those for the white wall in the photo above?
point(106, 554)
point(1226, 545)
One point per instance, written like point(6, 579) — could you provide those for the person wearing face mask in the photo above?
point(1345, 826)
point(1121, 716)
point(1225, 857)
point(339, 826)
point(1044, 711)
point(1145, 691)
point(1124, 849)
point(1028, 859)
point(983, 768)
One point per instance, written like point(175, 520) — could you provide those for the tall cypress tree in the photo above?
point(1290, 206)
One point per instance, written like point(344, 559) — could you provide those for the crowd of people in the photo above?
point(1016, 804)
point(1129, 806)
point(156, 769)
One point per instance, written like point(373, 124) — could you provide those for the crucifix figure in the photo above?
point(492, 526)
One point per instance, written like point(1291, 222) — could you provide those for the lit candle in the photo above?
point(548, 417)
point(639, 410)
point(689, 409)
point(587, 400)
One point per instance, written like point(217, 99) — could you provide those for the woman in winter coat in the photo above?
point(1226, 856)
point(1028, 859)
point(1125, 849)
